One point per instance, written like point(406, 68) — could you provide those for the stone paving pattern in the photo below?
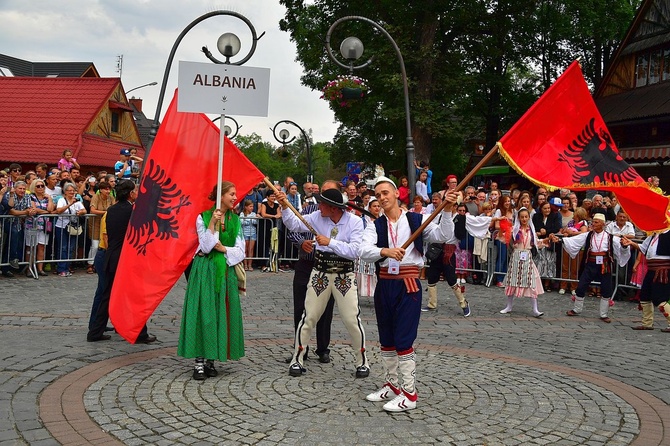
point(490, 379)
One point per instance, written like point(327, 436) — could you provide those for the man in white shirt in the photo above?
point(398, 292)
point(333, 274)
point(600, 251)
point(655, 286)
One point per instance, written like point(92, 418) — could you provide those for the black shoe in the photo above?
point(8, 274)
point(199, 371)
point(296, 369)
point(101, 338)
point(210, 371)
point(14, 263)
point(108, 328)
point(362, 371)
point(324, 358)
point(148, 340)
point(289, 360)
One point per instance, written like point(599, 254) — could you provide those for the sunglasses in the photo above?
point(16, 170)
point(39, 186)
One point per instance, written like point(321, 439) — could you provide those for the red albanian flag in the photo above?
point(562, 142)
point(180, 172)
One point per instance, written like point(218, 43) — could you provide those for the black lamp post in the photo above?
point(283, 138)
point(352, 49)
point(228, 44)
point(227, 130)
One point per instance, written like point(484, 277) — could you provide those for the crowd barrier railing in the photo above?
point(43, 240)
point(21, 238)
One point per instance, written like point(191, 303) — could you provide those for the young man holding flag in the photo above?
point(398, 292)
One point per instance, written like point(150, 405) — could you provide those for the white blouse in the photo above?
point(207, 240)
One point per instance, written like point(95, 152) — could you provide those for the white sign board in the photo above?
point(223, 89)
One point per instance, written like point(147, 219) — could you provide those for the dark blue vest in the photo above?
point(381, 226)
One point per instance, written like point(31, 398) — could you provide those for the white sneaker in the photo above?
point(401, 403)
point(387, 392)
point(561, 291)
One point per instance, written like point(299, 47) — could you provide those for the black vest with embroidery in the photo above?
point(663, 248)
point(587, 249)
point(383, 235)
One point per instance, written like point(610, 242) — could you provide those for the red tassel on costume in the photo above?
point(506, 228)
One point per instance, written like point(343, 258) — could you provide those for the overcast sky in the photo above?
point(143, 31)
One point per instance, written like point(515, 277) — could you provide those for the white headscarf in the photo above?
point(517, 226)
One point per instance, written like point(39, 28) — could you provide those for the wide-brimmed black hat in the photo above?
point(331, 197)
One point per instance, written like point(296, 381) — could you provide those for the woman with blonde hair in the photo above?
point(570, 267)
point(100, 202)
point(38, 227)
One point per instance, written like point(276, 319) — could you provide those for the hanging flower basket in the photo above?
point(345, 90)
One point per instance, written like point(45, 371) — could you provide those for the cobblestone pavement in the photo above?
point(489, 379)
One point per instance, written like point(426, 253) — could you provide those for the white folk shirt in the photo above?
point(207, 240)
point(648, 248)
point(345, 235)
point(599, 243)
point(434, 233)
point(614, 229)
point(478, 227)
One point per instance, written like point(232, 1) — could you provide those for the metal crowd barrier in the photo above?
point(21, 238)
point(17, 242)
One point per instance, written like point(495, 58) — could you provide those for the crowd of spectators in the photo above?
point(53, 213)
point(64, 190)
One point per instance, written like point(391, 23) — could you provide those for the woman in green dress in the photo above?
point(211, 323)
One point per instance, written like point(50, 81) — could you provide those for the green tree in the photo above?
point(474, 66)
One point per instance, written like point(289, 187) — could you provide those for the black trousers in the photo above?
point(593, 272)
point(438, 267)
point(97, 328)
point(303, 269)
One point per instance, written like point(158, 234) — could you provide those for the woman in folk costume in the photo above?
point(523, 279)
point(211, 323)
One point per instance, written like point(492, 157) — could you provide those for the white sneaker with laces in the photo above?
point(387, 392)
point(401, 403)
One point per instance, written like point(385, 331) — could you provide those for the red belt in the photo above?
point(407, 274)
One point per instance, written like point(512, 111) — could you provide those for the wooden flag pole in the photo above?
point(461, 185)
point(267, 181)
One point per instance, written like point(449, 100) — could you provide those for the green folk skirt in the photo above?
point(211, 321)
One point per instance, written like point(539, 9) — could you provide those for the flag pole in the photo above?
point(461, 185)
point(267, 181)
point(222, 141)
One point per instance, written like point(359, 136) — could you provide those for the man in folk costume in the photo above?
point(601, 249)
point(655, 286)
point(304, 241)
point(333, 274)
point(445, 262)
point(398, 293)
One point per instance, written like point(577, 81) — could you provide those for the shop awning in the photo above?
point(493, 170)
point(646, 153)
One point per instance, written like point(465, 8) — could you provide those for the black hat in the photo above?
point(331, 197)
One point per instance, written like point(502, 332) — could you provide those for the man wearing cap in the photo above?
point(337, 246)
point(398, 292)
point(123, 167)
point(655, 285)
point(601, 249)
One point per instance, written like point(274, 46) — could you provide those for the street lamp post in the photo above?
point(150, 84)
point(352, 49)
point(229, 45)
point(284, 139)
point(228, 53)
point(227, 130)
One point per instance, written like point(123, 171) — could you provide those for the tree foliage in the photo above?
point(280, 162)
point(473, 66)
